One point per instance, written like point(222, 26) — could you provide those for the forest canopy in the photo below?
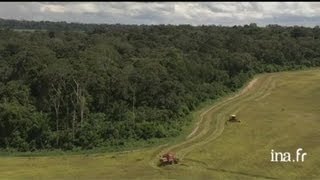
point(66, 86)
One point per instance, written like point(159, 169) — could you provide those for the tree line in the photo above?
point(107, 85)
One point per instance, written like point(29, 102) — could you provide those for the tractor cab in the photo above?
point(168, 158)
point(233, 118)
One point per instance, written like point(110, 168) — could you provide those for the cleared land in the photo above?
point(278, 111)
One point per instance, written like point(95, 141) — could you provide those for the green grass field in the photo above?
point(279, 111)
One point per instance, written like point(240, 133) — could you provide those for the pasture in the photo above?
point(278, 111)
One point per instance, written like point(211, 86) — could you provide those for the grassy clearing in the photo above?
point(279, 111)
point(282, 113)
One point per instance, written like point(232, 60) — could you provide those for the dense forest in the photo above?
point(92, 86)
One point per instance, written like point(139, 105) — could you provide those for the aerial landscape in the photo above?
point(149, 90)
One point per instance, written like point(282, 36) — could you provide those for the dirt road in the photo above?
point(211, 122)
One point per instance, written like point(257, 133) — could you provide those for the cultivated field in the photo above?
point(279, 111)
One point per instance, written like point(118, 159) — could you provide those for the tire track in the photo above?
point(202, 128)
point(200, 132)
point(222, 117)
point(202, 135)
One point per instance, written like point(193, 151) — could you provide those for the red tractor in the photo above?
point(168, 158)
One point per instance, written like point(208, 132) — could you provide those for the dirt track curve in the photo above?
point(212, 121)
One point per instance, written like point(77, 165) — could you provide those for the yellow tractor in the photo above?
point(233, 118)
